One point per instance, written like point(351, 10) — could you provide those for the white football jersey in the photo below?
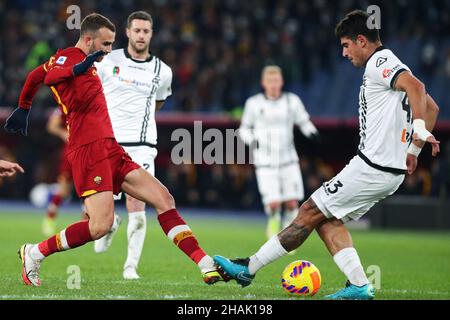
point(270, 123)
point(132, 88)
point(385, 118)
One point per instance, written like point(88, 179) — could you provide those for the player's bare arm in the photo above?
point(430, 121)
point(417, 97)
point(56, 128)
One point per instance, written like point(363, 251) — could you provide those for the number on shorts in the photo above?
point(146, 166)
point(336, 186)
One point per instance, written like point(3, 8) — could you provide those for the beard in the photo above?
point(139, 50)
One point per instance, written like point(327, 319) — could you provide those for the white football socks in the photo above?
point(35, 253)
point(137, 226)
point(269, 252)
point(348, 262)
point(206, 264)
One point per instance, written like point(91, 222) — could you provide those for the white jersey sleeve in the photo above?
point(247, 123)
point(385, 69)
point(165, 87)
point(301, 116)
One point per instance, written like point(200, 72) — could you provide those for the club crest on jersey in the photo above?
point(380, 61)
point(98, 180)
point(116, 70)
point(61, 60)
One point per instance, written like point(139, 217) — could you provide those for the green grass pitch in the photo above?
point(413, 265)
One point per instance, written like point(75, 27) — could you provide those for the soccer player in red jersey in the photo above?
point(100, 166)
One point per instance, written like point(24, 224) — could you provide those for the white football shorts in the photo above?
point(280, 184)
point(354, 190)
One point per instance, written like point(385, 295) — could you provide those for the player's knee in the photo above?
point(99, 227)
point(291, 205)
point(165, 203)
point(274, 206)
point(134, 205)
point(308, 215)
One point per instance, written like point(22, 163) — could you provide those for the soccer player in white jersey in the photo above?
point(136, 84)
point(269, 120)
point(392, 103)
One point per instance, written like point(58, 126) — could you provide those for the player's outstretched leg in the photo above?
point(141, 185)
point(340, 245)
point(100, 207)
point(102, 244)
point(290, 238)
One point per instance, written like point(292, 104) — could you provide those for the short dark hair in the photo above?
point(94, 21)
point(354, 24)
point(140, 15)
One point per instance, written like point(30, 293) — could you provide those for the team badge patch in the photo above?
point(98, 180)
point(380, 61)
point(61, 60)
point(116, 70)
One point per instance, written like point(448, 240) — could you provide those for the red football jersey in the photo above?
point(81, 98)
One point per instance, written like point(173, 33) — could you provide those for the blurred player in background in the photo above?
point(100, 166)
point(57, 126)
point(392, 103)
point(269, 120)
point(135, 84)
point(8, 169)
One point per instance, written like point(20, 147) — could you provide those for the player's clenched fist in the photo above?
point(81, 67)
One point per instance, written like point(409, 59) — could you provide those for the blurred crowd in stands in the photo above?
point(216, 49)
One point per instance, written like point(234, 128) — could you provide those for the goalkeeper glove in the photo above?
point(18, 121)
point(82, 67)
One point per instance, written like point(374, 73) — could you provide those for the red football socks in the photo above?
point(73, 236)
point(179, 232)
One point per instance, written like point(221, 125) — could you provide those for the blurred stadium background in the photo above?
point(216, 50)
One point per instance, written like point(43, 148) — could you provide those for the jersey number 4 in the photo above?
point(406, 136)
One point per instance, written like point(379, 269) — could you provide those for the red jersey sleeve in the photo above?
point(60, 68)
point(32, 84)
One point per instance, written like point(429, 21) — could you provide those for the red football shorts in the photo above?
point(100, 166)
point(64, 165)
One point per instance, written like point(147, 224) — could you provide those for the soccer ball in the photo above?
point(301, 278)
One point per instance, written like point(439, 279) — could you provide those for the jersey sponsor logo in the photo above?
point(61, 60)
point(116, 70)
point(134, 82)
point(387, 73)
point(380, 61)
